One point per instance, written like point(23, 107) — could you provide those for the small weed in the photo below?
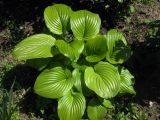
point(145, 1)
point(8, 105)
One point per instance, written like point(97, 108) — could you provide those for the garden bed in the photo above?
point(141, 27)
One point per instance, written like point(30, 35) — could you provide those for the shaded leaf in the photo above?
point(95, 58)
point(71, 106)
point(39, 63)
point(35, 46)
point(57, 18)
point(95, 49)
point(85, 24)
point(53, 83)
point(103, 79)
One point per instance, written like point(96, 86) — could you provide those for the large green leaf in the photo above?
point(118, 49)
point(36, 46)
point(57, 18)
point(104, 79)
point(71, 50)
point(95, 49)
point(53, 83)
point(71, 106)
point(95, 110)
point(126, 82)
point(85, 24)
point(77, 78)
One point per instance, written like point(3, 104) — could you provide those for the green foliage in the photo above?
point(8, 106)
point(87, 64)
point(96, 111)
point(126, 110)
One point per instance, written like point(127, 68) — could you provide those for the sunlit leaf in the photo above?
point(127, 82)
point(95, 110)
point(77, 78)
point(71, 50)
point(71, 106)
point(85, 24)
point(103, 79)
point(35, 46)
point(118, 49)
point(53, 83)
point(57, 18)
point(107, 103)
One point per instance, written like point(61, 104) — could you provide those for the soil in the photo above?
point(21, 18)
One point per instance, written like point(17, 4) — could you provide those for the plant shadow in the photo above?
point(31, 104)
point(23, 75)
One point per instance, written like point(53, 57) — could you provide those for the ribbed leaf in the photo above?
point(39, 63)
point(118, 50)
point(95, 110)
point(104, 79)
point(71, 106)
point(77, 80)
point(53, 83)
point(85, 24)
point(126, 82)
point(36, 46)
point(71, 50)
point(95, 49)
point(57, 18)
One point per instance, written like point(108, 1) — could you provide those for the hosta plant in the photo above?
point(80, 67)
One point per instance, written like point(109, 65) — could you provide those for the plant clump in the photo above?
point(80, 67)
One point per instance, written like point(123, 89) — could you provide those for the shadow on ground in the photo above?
point(23, 75)
point(31, 104)
point(145, 65)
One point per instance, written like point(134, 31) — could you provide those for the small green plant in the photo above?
point(81, 68)
point(8, 107)
point(145, 1)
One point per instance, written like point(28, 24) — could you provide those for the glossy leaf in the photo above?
point(126, 82)
point(77, 79)
point(85, 24)
point(53, 83)
point(36, 46)
point(95, 110)
point(95, 49)
point(103, 79)
point(71, 106)
point(71, 50)
point(57, 18)
point(118, 50)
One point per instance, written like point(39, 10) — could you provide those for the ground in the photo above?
point(141, 27)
